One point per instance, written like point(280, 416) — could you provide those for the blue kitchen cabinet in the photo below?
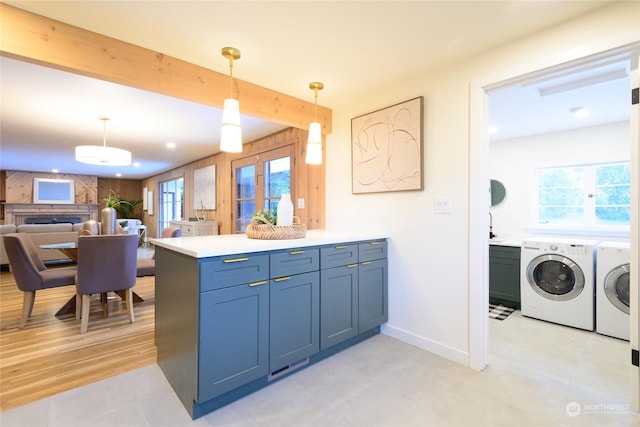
point(338, 294)
point(294, 307)
point(372, 285)
point(234, 338)
point(229, 325)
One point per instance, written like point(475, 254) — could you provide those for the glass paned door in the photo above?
point(171, 202)
point(259, 181)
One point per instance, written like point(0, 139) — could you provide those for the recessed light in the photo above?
point(171, 145)
point(136, 164)
point(579, 112)
point(118, 175)
point(54, 170)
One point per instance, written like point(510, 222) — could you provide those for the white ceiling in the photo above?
point(285, 45)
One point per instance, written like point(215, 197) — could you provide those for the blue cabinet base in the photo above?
point(203, 408)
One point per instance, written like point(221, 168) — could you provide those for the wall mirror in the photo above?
point(498, 192)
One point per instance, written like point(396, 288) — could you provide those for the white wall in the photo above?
point(513, 162)
point(428, 252)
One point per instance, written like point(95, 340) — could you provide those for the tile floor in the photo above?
point(537, 370)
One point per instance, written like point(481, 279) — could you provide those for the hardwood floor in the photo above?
point(50, 355)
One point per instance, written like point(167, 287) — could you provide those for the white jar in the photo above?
point(285, 210)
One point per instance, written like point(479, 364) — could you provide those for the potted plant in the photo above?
point(114, 205)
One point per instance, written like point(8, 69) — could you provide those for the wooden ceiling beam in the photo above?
point(41, 40)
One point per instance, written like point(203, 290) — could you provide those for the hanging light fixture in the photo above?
point(101, 154)
point(231, 135)
point(314, 141)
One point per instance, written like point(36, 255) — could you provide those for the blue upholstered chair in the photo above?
point(30, 272)
point(106, 263)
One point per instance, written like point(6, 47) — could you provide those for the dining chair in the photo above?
point(30, 273)
point(147, 267)
point(106, 263)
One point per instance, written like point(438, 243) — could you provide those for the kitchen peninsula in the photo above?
point(234, 314)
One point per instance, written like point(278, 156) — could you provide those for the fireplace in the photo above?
point(53, 219)
point(33, 213)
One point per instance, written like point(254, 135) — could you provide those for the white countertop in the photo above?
point(230, 244)
point(507, 242)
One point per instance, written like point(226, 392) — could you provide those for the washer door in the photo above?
point(616, 287)
point(555, 277)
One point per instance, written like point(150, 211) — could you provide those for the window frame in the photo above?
point(589, 225)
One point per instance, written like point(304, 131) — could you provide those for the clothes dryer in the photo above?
point(557, 281)
point(612, 289)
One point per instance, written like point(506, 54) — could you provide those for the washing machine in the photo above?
point(557, 281)
point(612, 289)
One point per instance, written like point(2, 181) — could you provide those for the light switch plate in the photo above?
point(300, 203)
point(442, 205)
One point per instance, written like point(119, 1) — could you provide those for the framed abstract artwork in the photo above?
point(386, 149)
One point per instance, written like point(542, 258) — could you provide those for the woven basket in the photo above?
point(267, 231)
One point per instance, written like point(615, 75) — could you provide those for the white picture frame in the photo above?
point(150, 202)
point(386, 149)
point(54, 191)
point(145, 195)
point(204, 188)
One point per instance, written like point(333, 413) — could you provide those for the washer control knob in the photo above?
point(553, 247)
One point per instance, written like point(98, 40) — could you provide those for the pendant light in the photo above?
point(101, 154)
point(314, 140)
point(231, 135)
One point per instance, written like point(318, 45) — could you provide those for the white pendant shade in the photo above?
point(102, 155)
point(231, 135)
point(314, 145)
point(315, 133)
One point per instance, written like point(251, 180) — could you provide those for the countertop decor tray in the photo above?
point(260, 228)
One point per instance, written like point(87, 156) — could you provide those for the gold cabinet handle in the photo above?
point(262, 282)
point(351, 265)
point(375, 243)
point(227, 261)
point(281, 279)
point(295, 252)
point(366, 263)
point(341, 247)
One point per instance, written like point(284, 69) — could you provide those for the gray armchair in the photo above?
point(106, 263)
point(30, 273)
point(147, 267)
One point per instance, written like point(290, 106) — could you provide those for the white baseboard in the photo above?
point(425, 344)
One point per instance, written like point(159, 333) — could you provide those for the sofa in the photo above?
point(42, 234)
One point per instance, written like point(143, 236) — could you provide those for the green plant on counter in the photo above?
point(269, 215)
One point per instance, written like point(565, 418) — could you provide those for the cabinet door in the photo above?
point(372, 294)
point(233, 338)
point(338, 304)
point(504, 276)
point(294, 319)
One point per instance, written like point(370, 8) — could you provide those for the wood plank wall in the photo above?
point(309, 184)
point(19, 186)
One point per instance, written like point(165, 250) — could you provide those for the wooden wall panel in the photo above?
point(126, 189)
point(309, 183)
point(19, 186)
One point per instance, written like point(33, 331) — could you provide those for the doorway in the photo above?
point(479, 202)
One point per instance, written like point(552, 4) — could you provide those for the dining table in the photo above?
point(70, 249)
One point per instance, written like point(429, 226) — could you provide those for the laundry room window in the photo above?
point(590, 197)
